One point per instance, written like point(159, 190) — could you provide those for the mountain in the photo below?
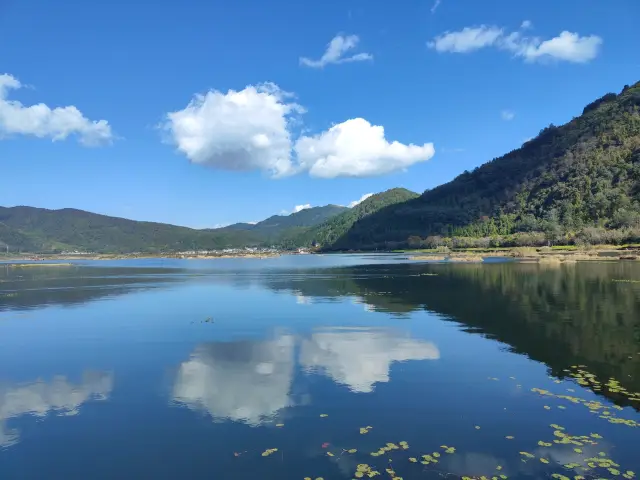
point(41, 230)
point(277, 224)
point(579, 182)
point(330, 234)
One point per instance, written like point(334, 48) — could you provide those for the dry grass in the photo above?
point(468, 258)
point(429, 258)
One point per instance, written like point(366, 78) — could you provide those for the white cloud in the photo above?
point(40, 398)
point(336, 49)
point(242, 381)
point(466, 40)
point(356, 148)
point(240, 130)
point(361, 358)
point(296, 209)
point(526, 25)
point(435, 6)
point(44, 122)
point(507, 115)
point(299, 208)
point(568, 46)
point(252, 130)
point(452, 150)
point(360, 200)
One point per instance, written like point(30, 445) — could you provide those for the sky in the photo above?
point(208, 113)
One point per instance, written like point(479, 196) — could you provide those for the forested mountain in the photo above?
point(572, 183)
point(331, 233)
point(40, 230)
point(276, 224)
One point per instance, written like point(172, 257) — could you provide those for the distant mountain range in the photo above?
point(30, 229)
point(41, 230)
point(575, 182)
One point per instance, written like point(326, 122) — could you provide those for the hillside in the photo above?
point(276, 225)
point(579, 182)
point(330, 233)
point(32, 229)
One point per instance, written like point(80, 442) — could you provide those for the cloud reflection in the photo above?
point(360, 358)
point(243, 381)
point(251, 381)
point(59, 396)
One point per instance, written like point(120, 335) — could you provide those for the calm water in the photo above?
point(198, 369)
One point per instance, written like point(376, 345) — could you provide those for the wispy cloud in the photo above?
point(435, 6)
point(507, 115)
point(335, 52)
point(452, 150)
point(567, 46)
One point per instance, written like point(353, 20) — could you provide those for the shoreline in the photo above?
point(528, 254)
point(43, 259)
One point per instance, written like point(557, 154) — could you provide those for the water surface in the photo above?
point(199, 369)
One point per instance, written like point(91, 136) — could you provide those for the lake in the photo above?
point(332, 367)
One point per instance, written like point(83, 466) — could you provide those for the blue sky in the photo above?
point(454, 86)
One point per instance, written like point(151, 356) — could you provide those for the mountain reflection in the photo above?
point(244, 381)
point(59, 396)
point(35, 287)
point(361, 358)
point(585, 313)
point(251, 381)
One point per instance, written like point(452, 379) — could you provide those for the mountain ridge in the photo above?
point(42, 230)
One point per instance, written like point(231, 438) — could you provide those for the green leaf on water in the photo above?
point(322, 415)
point(544, 460)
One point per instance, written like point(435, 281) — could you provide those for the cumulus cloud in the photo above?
point(243, 381)
point(568, 46)
point(240, 130)
point(253, 129)
point(356, 148)
point(40, 398)
point(335, 53)
point(507, 115)
point(43, 121)
point(360, 200)
point(360, 358)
